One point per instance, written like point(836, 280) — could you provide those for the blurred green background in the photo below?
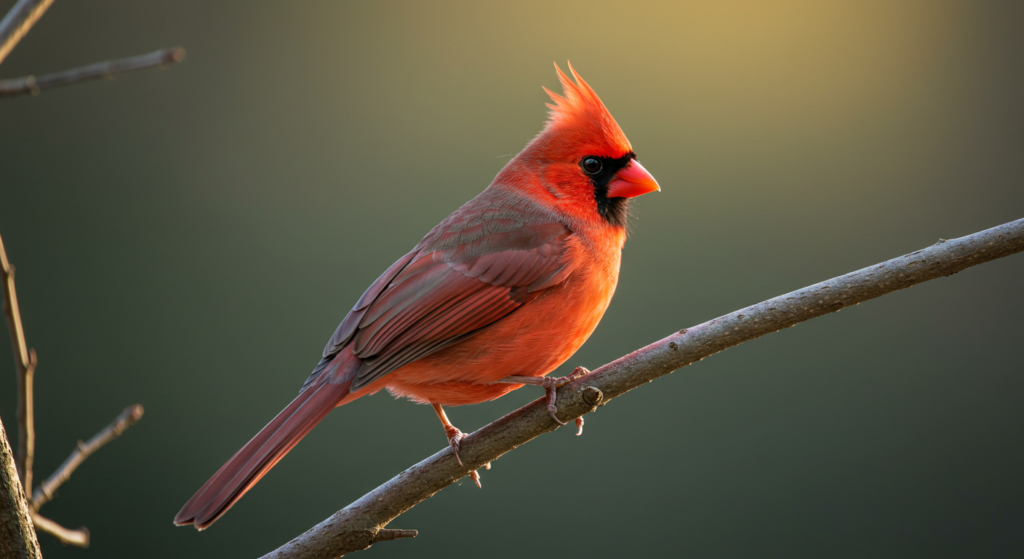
point(188, 239)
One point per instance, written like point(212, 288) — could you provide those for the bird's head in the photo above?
point(582, 159)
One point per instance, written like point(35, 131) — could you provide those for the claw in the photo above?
point(550, 385)
point(579, 372)
point(579, 425)
point(452, 432)
point(476, 478)
point(454, 439)
point(552, 405)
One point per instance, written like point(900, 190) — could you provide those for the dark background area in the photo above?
point(188, 239)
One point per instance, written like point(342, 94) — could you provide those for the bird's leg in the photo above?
point(452, 432)
point(454, 437)
point(550, 385)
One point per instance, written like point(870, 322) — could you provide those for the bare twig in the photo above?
point(45, 491)
point(18, 21)
point(17, 538)
point(358, 525)
point(25, 365)
point(79, 537)
point(33, 85)
point(25, 362)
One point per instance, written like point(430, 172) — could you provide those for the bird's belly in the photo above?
point(532, 341)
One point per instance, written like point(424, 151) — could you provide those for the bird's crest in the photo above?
point(580, 107)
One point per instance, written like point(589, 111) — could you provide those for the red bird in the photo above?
point(497, 295)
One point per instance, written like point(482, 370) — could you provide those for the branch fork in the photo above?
point(25, 364)
point(17, 537)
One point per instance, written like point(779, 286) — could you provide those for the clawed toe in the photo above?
point(454, 439)
point(452, 432)
point(553, 409)
point(550, 385)
point(579, 372)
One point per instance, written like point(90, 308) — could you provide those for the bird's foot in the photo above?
point(454, 439)
point(550, 386)
point(475, 475)
point(452, 432)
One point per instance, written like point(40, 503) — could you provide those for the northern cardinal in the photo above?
point(497, 295)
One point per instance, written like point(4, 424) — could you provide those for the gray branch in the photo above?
point(34, 85)
point(18, 21)
point(362, 523)
point(46, 490)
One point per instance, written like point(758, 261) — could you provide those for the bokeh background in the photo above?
point(189, 238)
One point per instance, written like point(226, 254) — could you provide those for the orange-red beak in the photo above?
point(632, 180)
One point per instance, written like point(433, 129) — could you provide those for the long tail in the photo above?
point(260, 454)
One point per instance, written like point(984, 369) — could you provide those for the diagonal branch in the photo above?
point(18, 21)
point(46, 490)
point(67, 536)
point(25, 365)
point(360, 524)
point(33, 85)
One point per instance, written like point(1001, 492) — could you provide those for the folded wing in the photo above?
point(460, 279)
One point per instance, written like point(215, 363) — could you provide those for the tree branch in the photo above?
point(360, 524)
point(67, 536)
point(46, 490)
point(108, 69)
point(25, 365)
point(18, 21)
point(17, 538)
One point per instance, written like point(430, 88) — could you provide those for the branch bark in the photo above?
point(362, 523)
point(18, 21)
point(17, 538)
point(33, 85)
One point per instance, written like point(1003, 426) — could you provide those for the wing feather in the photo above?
point(464, 276)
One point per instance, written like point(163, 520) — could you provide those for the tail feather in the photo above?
point(260, 454)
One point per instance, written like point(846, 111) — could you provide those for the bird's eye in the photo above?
point(591, 165)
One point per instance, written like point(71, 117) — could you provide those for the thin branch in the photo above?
point(18, 524)
point(17, 538)
point(25, 362)
point(25, 365)
point(46, 490)
point(358, 525)
point(33, 85)
point(67, 536)
point(18, 21)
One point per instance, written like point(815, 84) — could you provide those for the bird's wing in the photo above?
point(465, 275)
